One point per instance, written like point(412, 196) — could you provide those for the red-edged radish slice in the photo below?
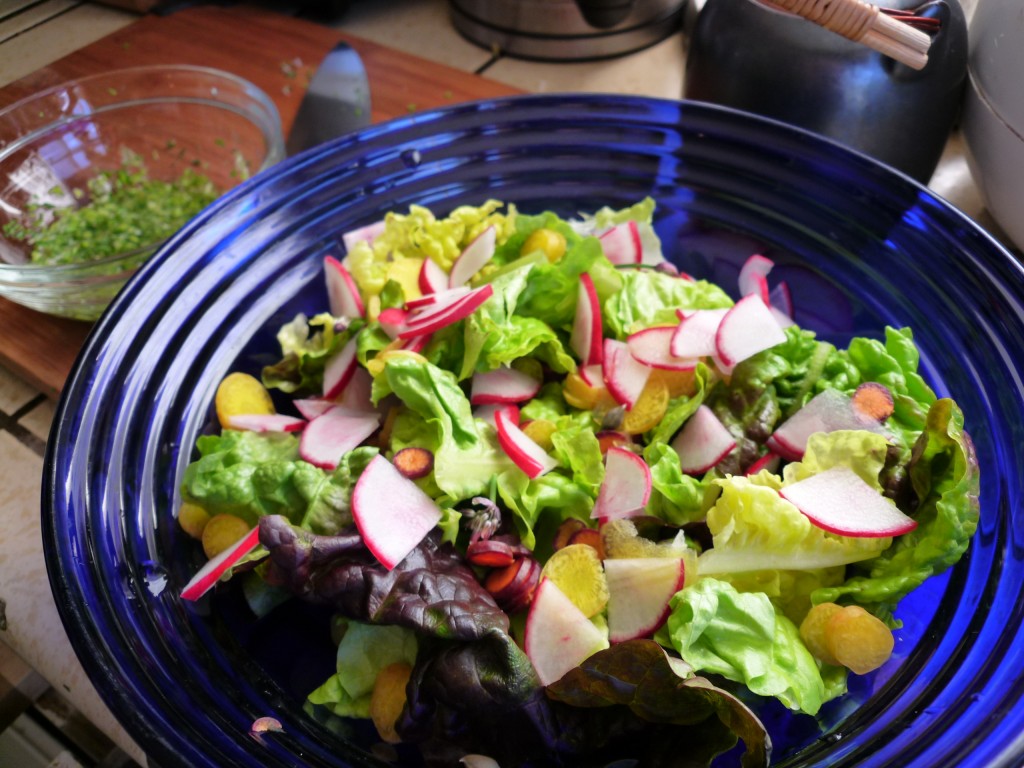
point(392, 513)
point(558, 635)
point(217, 566)
point(653, 347)
point(415, 343)
point(265, 422)
point(432, 278)
point(781, 317)
point(639, 590)
point(702, 442)
point(486, 413)
point(747, 328)
point(626, 488)
point(366, 234)
point(622, 244)
point(695, 335)
point(502, 385)
point(753, 277)
point(523, 451)
point(769, 461)
point(392, 321)
point(311, 407)
point(342, 292)
point(429, 322)
point(587, 328)
point(473, 258)
point(435, 302)
point(624, 375)
point(339, 369)
point(828, 411)
point(334, 433)
point(839, 501)
point(592, 375)
point(356, 394)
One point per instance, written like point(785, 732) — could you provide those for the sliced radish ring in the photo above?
point(587, 327)
point(753, 277)
point(217, 566)
point(432, 278)
point(265, 422)
point(342, 292)
point(622, 244)
point(473, 258)
point(694, 337)
point(502, 385)
point(653, 347)
point(339, 369)
point(624, 375)
point(524, 452)
point(366, 234)
point(703, 442)
point(461, 308)
point(747, 328)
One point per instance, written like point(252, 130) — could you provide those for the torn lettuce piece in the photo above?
point(943, 472)
point(364, 650)
point(739, 635)
point(648, 297)
point(306, 346)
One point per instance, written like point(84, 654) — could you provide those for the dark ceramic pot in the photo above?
point(745, 55)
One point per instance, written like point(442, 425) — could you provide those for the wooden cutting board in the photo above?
point(276, 52)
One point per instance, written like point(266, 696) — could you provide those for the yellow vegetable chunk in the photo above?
point(540, 431)
point(812, 631)
point(859, 641)
point(388, 699)
point(221, 531)
point(579, 394)
point(240, 394)
point(679, 383)
point(649, 409)
point(576, 570)
point(193, 519)
point(547, 241)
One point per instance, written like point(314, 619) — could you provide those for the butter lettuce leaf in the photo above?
point(739, 635)
point(648, 297)
point(943, 471)
point(306, 346)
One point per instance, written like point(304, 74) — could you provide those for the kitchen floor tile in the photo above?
point(419, 27)
point(38, 419)
point(656, 71)
point(14, 393)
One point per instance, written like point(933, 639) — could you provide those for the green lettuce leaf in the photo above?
point(648, 297)
point(738, 635)
point(250, 474)
point(306, 346)
point(943, 471)
point(364, 650)
point(676, 498)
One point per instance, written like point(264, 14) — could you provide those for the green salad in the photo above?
point(570, 505)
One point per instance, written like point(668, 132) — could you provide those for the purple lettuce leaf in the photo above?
point(432, 590)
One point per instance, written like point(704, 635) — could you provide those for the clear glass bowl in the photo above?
point(53, 143)
point(860, 245)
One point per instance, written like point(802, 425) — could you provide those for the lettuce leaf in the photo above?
point(943, 471)
point(252, 474)
point(648, 297)
point(305, 347)
point(676, 498)
point(364, 650)
point(738, 635)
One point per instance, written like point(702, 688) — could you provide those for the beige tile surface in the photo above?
point(14, 393)
point(68, 32)
point(38, 420)
point(419, 27)
point(34, 629)
point(656, 71)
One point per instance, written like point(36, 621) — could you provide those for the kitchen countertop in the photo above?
point(48, 30)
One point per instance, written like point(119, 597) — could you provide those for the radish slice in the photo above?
point(392, 513)
point(342, 291)
point(703, 442)
point(695, 335)
point(625, 376)
point(781, 317)
point(626, 488)
point(366, 234)
point(523, 451)
point(210, 573)
point(432, 278)
point(434, 301)
point(639, 591)
point(781, 298)
point(622, 245)
point(558, 635)
point(502, 385)
point(392, 321)
point(587, 328)
point(769, 461)
point(311, 407)
point(356, 394)
point(839, 501)
point(592, 375)
point(339, 370)
point(828, 411)
point(460, 309)
point(334, 433)
point(746, 329)
point(753, 277)
point(473, 258)
point(415, 343)
point(652, 346)
point(487, 412)
point(265, 422)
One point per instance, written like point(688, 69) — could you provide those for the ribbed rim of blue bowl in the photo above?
point(141, 389)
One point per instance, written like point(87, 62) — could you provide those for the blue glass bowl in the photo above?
point(861, 246)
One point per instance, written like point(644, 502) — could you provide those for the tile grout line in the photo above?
point(9, 423)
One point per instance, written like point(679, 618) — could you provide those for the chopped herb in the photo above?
point(112, 91)
point(219, 142)
point(126, 211)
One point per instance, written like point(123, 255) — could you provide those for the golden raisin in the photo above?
point(193, 519)
point(240, 394)
point(857, 640)
point(812, 631)
point(221, 531)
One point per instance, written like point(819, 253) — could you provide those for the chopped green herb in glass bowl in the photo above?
point(98, 172)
